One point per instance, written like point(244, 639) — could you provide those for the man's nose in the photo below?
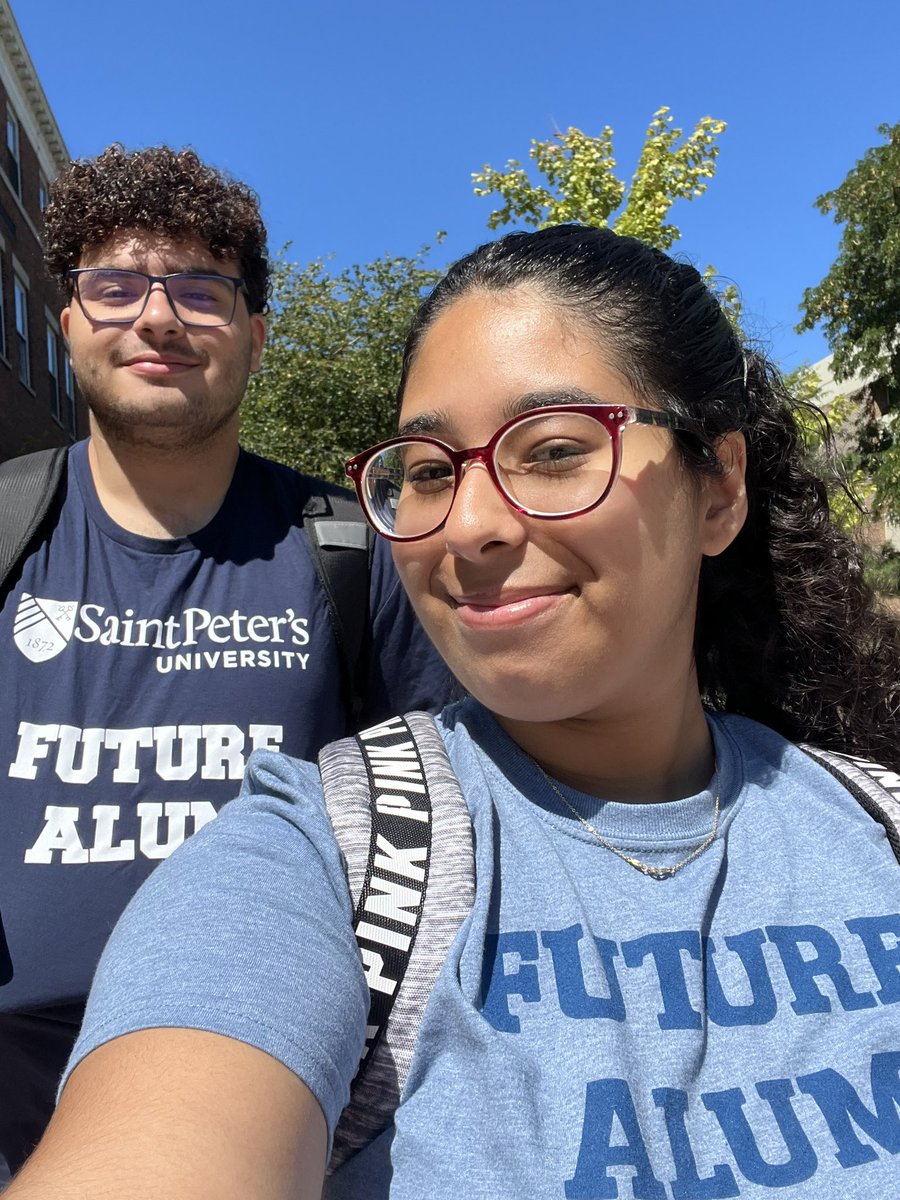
point(159, 312)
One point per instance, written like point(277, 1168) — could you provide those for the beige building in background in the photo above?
point(867, 394)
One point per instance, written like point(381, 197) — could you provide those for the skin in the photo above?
point(576, 634)
point(179, 1112)
point(163, 396)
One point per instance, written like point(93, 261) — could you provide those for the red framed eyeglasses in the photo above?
point(558, 461)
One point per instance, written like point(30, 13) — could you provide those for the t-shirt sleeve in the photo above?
point(406, 672)
point(246, 931)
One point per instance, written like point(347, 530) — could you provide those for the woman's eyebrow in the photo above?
point(430, 423)
point(440, 421)
point(532, 400)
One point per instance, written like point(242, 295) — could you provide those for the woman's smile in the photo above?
point(509, 609)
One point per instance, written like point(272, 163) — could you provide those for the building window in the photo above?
point(43, 192)
point(53, 372)
point(12, 152)
point(24, 363)
point(2, 312)
point(69, 384)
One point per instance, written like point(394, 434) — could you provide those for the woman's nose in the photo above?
point(480, 517)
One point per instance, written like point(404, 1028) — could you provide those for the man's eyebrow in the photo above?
point(172, 268)
point(192, 270)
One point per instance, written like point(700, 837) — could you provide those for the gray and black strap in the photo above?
point(875, 787)
point(406, 835)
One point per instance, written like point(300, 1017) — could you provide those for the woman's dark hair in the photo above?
point(788, 631)
point(163, 192)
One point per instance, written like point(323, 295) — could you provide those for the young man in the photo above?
point(167, 619)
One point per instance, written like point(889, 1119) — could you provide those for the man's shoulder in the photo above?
point(31, 487)
point(295, 483)
point(35, 461)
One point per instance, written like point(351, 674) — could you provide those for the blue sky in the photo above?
point(359, 124)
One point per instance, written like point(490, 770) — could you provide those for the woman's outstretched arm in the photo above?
point(226, 1018)
point(179, 1112)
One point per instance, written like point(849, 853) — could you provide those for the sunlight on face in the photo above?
point(156, 378)
point(539, 619)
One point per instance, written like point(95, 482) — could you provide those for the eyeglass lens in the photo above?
point(108, 295)
point(550, 464)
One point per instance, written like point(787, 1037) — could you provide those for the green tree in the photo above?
point(332, 361)
point(858, 304)
point(858, 301)
point(331, 366)
point(876, 451)
point(830, 440)
point(856, 455)
point(581, 183)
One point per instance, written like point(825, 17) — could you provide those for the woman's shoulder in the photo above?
point(764, 746)
point(270, 774)
point(810, 782)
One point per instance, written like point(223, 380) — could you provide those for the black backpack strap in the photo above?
point(27, 488)
point(405, 832)
point(341, 544)
point(877, 788)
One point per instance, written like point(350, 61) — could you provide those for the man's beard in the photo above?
point(174, 422)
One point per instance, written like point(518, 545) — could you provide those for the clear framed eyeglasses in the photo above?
point(111, 296)
point(553, 462)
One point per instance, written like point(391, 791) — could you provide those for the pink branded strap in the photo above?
point(402, 823)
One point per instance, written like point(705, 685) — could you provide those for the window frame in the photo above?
point(23, 329)
point(3, 347)
point(69, 391)
point(53, 372)
point(13, 150)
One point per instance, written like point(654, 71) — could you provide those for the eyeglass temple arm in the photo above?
point(651, 416)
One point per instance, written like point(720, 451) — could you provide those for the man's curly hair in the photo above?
point(161, 190)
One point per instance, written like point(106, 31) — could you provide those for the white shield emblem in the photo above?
point(43, 627)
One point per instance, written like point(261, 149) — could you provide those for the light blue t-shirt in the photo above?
point(732, 1030)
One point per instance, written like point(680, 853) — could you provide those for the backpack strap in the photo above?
point(404, 829)
point(341, 544)
point(27, 488)
point(875, 787)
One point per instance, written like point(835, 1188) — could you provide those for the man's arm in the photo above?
point(179, 1112)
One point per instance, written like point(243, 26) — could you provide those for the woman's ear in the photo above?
point(725, 495)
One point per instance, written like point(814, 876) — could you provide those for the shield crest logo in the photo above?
point(43, 627)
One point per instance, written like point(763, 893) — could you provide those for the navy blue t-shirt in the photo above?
point(139, 675)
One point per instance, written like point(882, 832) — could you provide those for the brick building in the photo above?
point(39, 405)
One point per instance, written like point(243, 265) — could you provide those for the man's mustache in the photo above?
point(122, 356)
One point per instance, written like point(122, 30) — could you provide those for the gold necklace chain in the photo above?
point(644, 868)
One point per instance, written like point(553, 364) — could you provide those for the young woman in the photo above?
point(680, 976)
